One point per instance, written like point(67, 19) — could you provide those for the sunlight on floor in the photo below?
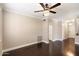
point(70, 54)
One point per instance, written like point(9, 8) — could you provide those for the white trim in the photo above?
point(17, 47)
point(58, 39)
point(52, 40)
point(46, 42)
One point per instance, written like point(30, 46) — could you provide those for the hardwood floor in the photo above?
point(55, 48)
point(41, 49)
point(69, 46)
point(77, 49)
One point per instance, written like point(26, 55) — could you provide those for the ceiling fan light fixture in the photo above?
point(47, 9)
point(46, 13)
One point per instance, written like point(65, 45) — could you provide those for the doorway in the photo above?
point(69, 40)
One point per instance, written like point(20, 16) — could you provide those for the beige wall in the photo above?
point(20, 30)
point(0, 31)
point(45, 31)
point(57, 30)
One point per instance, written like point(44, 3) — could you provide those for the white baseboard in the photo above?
point(58, 39)
point(52, 40)
point(45, 42)
point(17, 47)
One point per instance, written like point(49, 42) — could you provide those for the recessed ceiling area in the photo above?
point(65, 10)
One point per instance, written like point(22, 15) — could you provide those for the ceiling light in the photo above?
point(46, 13)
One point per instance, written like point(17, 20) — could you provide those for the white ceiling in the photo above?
point(64, 10)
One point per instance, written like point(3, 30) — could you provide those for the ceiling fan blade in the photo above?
point(55, 5)
point(46, 5)
point(39, 11)
point(53, 12)
point(42, 5)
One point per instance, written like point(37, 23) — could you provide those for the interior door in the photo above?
point(69, 42)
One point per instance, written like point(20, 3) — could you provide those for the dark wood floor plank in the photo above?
point(41, 49)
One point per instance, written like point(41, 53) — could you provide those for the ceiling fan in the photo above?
point(47, 8)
